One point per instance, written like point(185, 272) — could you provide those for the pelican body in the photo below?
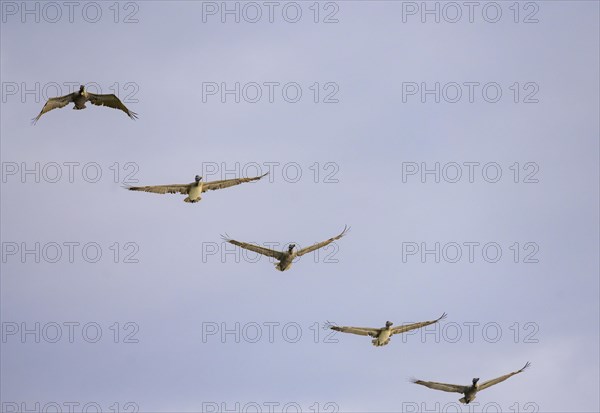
point(470, 392)
point(287, 258)
point(195, 192)
point(79, 98)
point(383, 338)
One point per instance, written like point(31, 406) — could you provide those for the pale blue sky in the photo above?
point(171, 293)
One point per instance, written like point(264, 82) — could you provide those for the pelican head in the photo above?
point(388, 324)
point(475, 380)
point(198, 178)
point(291, 248)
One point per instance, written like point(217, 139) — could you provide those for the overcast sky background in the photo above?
point(175, 291)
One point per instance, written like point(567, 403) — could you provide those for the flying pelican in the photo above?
point(285, 258)
point(79, 98)
point(381, 336)
point(194, 189)
point(468, 391)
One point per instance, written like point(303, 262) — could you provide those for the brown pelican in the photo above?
point(79, 98)
point(468, 391)
point(194, 189)
point(285, 258)
point(381, 336)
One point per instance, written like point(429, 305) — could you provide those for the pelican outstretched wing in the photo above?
point(489, 383)
point(361, 331)
point(163, 189)
point(408, 327)
point(251, 247)
point(54, 103)
point(452, 388)
point(322, 244)
point(211, 186)
point(112, 102)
